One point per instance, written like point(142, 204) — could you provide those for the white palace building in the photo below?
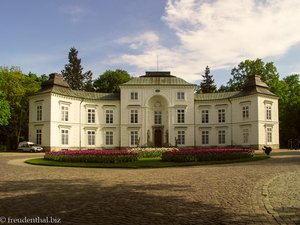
point(156, 109)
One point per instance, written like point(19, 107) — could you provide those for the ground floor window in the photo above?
point(64, 137)
point(221, 135)
point(181, 137)
point(109, 138)
point(91, 137)
point(38, 139)
point(245, 136)
point(205, 137)
point(269, 134)
point(134, 138)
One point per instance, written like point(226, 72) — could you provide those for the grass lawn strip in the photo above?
point(141, 163)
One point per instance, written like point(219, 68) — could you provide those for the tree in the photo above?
point(208, 84)
point(17, 87)
point(4, 108)
point(73, 73)
point(109, 81)
point(247, 68)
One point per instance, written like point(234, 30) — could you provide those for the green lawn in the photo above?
point(141, 163)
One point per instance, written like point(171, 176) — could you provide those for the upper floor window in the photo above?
point(91, 137)
point(205, 137)
point(39, 112)
point(180, 116)
point(221, 136)
point(109, 116)
point(268, 112)
point(134, 95)
point(204, 114)
point(245, 111)
point(91, 116)
point(64, 113)
point(181, 137)
point(180, 95)
point(221, 115)
point(134, 116)
point(157, 117)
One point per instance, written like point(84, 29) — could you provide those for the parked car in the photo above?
point(27, 146)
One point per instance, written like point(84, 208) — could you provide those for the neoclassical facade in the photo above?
point(156, 109)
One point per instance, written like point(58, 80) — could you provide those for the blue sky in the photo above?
point(184, 35)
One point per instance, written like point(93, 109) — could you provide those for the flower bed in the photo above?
point(98, 156)
point(151, 152)
point(197, 155)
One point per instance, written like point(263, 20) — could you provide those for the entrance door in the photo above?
point(157, 138)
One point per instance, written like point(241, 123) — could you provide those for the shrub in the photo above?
point(151, 152)
point(95, 156)
point(196, 155)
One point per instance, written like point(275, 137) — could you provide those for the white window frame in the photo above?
point(38, 137)
point(269, 135)
point(91, 116)
point(134, 116)
point(181, 137)
point(64, 113)
point(109, 137)
point(39, 112)
point(64, 136)
point(221, 115)
point(180, 116)
point(157, 117)
point(246, 135)
point(205, 116)
point(134, 138)
point(268, 112)
point(221, 137)
point(180, 95)
point(134, 95)
point(109, 116)
point(245, 112)
point(91, 138)
point(205, 137)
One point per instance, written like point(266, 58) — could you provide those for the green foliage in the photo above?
point(16, 88)
point(208, 84)
point(109, 81)
point(150, 152)
point(73, 73)
point(4, 107)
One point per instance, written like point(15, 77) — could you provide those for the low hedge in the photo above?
point(198, 155)
point(150, 152)
point(93, 156)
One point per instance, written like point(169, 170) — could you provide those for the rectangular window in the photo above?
point(180, 95)
point(91, 137)
point(134, 116)
point(269, 134)
point(157, 117)
point(221, 115)
point(245, 136)
point(134, 138)
point(205, 137)
point(64, 113)
point(245, 112)
point(109, 116)
point(204, 116)
point(181, 137)
point(64, 137)
point(134, 95)
point(38, 136)
point(109, 138)
point(221, 135)
point(268, 112)
point(180, 115)
point(91, 115)
point(39, 113)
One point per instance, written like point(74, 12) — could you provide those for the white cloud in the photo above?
point(218, 33)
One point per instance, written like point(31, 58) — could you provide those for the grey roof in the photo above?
point(215, 96)
point(158, 78)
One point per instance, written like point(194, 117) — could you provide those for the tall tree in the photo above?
point(208, 84)
point(109, 81)
point(4, 107)
point(267, 71)
point(73, 73)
